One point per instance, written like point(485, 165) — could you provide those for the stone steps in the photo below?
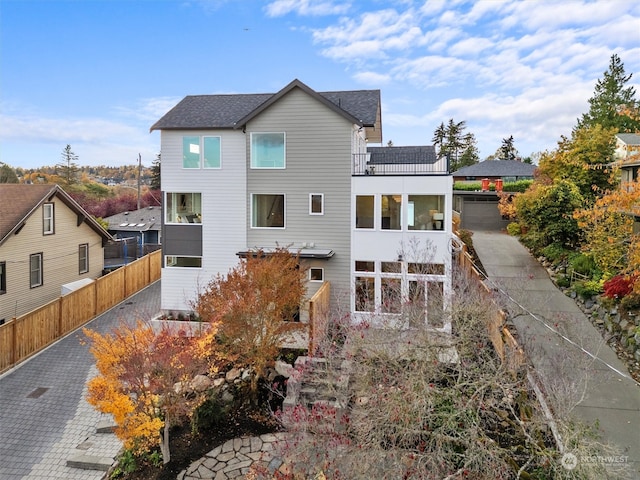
point(98, 451)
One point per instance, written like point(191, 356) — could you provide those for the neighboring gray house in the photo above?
point(506, 170)
point(627, 154)
point(293, 168)
point(137, 233)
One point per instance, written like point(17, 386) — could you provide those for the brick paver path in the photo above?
point(44, 415)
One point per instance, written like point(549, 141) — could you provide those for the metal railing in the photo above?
point(408, 165)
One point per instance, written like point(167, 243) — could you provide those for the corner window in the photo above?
point(200, 152)
point(267, 210)
point(268, 150)
point(35, 270)
point(3, 277)
point(316, 204)
point(425, 212)
point(183, 208)
point(365, 294)
point(48, 222)
point(187, 262)
point(364, 211)
point(316, 274)
point(83, 258)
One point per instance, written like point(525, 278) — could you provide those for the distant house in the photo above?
point(506, 170)
point(46, 241)
point(137, 233)
point(627, 154)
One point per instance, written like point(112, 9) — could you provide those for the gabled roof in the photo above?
point(497, 168)
point(19, 201)
point(629, 138)
point(235, 110)
point(425, 154)
point(141, 220)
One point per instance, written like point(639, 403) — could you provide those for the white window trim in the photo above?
point(284, 160)
point(51, 217)
point(321, 212)
point(164, 213)
point(284, 213)
point(40, 281)
point(314, 280)
point(86, 257)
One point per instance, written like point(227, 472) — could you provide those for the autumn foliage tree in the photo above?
point(144, 379)
point(254, 305)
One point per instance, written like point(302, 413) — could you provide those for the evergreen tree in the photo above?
point(7, 174)
point(451, 141)
point(68, 167)
point(508, 150)
point(612, 101)
point(155, 173)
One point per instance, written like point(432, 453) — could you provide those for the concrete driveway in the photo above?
point(580, 372)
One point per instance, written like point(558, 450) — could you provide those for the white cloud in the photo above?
point(279, 8)
point(372, 78)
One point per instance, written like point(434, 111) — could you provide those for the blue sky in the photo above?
point(97, 74)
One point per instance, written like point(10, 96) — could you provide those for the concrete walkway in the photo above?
point(44, 417)
point(599, 389)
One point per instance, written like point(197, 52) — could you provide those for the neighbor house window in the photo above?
point(35, 270)
point(316, 274)
point(425, 212)
point(364, 211)
point(200, 152)
point(267, 210)
point(316, 204)
point(183, 208)
point(268, 150)
point(391, 212)
point(83, 258)
point(188, 262)
point(3, 277)
point(48, 223)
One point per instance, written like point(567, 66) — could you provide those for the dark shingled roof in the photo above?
point(225, 111)
point(497, 168)
point(19, 201)
point(402, 155)
point(141, 220)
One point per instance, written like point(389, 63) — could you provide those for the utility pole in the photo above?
point(139, 174)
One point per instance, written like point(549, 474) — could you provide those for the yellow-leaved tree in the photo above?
point(144, 380)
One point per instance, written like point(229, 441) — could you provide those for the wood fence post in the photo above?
point(14, 343)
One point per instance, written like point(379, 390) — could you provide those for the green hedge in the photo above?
point(512, 187)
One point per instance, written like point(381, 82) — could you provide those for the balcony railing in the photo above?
point(408, 165)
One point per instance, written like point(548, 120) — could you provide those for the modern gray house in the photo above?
point(295, 168)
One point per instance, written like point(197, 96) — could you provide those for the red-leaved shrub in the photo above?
point(619, 286)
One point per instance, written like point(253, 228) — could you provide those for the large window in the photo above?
point(425, 212)
point(83, 258)
point(201, 152)
point(365, 294)
point(3, 277)
point(48, 219)
point(186, 262)
point(267, 210)
point(268, 150)
point(391, 212)
point(364, 211)
point(183, 208)
point(35, 270)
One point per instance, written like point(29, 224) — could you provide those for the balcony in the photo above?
point(399, 161)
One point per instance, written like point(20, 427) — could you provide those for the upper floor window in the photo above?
point(83, 258)
point(268, 150)
point(3, 277)
point(201, 152)
point(391, 212)
point(35, 270)
point(316, 204)
point(183, 208)
point(364, 211)
point(267, 210)
point(425, 212)
point(48, 223)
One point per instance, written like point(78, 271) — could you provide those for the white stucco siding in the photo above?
point(318, 160)
point(223, 211)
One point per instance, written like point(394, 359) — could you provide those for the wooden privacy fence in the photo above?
point(319, 316)
point(506, 346)
point(28, 334)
